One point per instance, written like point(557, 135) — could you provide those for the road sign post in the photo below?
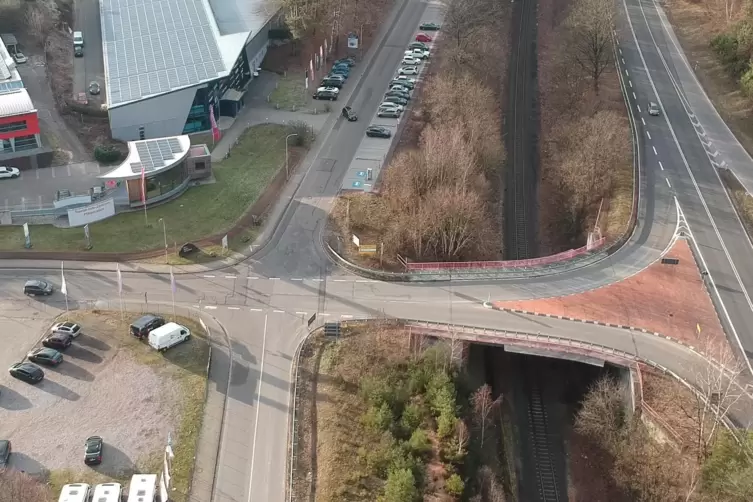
point(332, 330)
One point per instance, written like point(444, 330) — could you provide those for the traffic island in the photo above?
point(115, 386)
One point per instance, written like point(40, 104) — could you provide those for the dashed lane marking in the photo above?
point(229, 277)
point(278, 311)
point(301, 313)
point(667, 180)
point(346, 316)
point(643, 120)
point(234, 308)
point(648, 134)
point(210, 307)
point(208, 276)
point(631, 83)
point(655, 153)
point(255, 310)
point(296, 279)
point(638, 106)
point(661, 166)
point(635, 97)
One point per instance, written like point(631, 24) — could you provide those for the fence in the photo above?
point(533, 262)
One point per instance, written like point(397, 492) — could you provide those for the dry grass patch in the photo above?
point(741, 199)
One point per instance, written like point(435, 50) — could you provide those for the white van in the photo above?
point(168, 335)
point(143, 488)
point(77, 492)
point(107, 492)
point(78, 39)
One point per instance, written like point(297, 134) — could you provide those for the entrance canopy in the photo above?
point(153, 155)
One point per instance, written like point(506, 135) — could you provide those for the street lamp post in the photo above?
point(287, 168)
point(164, 234)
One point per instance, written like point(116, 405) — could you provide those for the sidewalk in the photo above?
point(208, 444)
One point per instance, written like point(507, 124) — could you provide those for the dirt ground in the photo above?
point(589, 471)
point(668, 299)
point(112, 385)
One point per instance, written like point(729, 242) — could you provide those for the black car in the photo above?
point(378, 132)
point(141, 327)
point(37, 287)
point(29, 373)
point(403, 82)
point(347, 61)
point(78, 51)
point(397, 94)
point(349, 114)
point(4, 453)
point(429, 27)
point(58, 341)
point(45, 356)
point(93, 450)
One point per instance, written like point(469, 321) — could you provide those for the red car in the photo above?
point(423, 37)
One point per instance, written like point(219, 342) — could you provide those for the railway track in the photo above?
point(544, 462)
point(521, 176)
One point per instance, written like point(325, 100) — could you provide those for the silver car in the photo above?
point(653, 109)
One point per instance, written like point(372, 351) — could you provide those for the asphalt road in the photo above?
point(91, 67)
point(265, 301)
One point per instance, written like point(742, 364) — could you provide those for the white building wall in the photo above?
point(159, 116)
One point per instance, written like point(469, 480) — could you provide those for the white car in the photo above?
point(399, 88)
point(9, 172)
point(417, 53)
point(19, 57)
point(387, 104)
point(69, 328)
point(406, 78)
point(411, 61)
point(407, 70)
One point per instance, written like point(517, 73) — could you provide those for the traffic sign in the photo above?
point(332, 330)
point(367, 248)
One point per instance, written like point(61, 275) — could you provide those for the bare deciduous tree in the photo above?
point(591, 23)
point(17, 486)
point(41, 18)
point(601, 415)
point(491, 490)
point(484, 407)
point(464, 18)
point(462, 435)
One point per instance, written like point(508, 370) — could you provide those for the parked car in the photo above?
point(399, 88)
point(27, 372)
point(341, 71)
point(407, 70)
point(332, 82)
point(398, 94)
point(340, 78)
point(395, 99)
point(392, 113)
point(374, 131)
point(94, 88)
point(78, 51)
point(349, 61)
point(45, 356)
point(19, 57)
point(423, 37)
point(70, 328)
point(417, 53)
point(388, 104)
point(57, 341)
point(418, 45)
point(349, 114)
point(410, 61)
point(327, 93)
point(9, 172)
point(78, 39)
point(404, 80)
point(93, 450)
point(4, 453)
point(167, 336)
point(653, 109)
point(429, 27)
point(141, 327)
point(37, 287)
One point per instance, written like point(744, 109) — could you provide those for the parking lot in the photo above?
point(36, 188)
point(109, 384)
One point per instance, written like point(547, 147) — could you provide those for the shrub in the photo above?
point(446, 424)
point(375, 390)
point(304, 132)
point(378, 459)
point(106, 154)
point(419, 443)
point(454, 485)
point(746, 82)
point(378, 418)
point(400, 487)
point(727, 47)
point(411, 418)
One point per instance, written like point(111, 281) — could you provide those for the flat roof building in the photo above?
point(168, 62)
point(19, 123)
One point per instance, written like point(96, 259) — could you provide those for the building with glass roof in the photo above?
point(167, 61)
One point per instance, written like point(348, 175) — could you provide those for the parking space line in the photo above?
point(52, 170)
point(68, 168)
point(210, 307)
point(234, 308)
point(229, 277)
point(39, 199)
point(255, 310)
point(36, 172)
point(208, 276)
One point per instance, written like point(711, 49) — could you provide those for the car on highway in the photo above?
point(5, 449)
point(397, 94)
point(390, 113)
point(37, 287)
point(78, 51)
point(653, 109)
point(374, 131)
point(329, 93)
point(418, 45)
point(395, 99)
point(45, 356)
point(423, 37)
point(93, 450)
point(57, 341)
point(69, 328)
point(19, 57)
point(429, 27)
point(26, 372)
point(407, 70)
point(349, 114)
point(9, 172)
point(348, 61)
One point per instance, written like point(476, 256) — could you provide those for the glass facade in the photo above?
point(13, 126)
point(26, 142)
point(166, 181)
point(198, 115)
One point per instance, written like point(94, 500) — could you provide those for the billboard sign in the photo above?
point(93, 212)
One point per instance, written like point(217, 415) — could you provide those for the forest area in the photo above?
point(586, 162)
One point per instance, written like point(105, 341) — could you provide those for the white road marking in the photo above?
point(340, 280)
point(623, 62)
point(317, 280)
point(208, 276)
point(648, 134)
point(52, 170)
point(365, 280)
point(36, 172)
point(255, 310)
point(23, 202)
point(635, 97)
point(301, 313)
point(39, 200)
point(643, 120)
point(638, 106)
point(631, 83)
point(210, 307)
point(279, 311)
point(68, 168)
point(258, 407)
point(654, 150)
point(253, 278)
point(6, 204)
point(346, 316)
point(661, 166)
point(234, 308)
point(296, 279)
point(667, 180)
point(229, 277)
point(274, 278)
point(620, 51)
point(323, 314)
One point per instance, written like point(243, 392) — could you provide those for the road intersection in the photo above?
point(265, 301)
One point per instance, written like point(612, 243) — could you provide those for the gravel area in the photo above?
point(101, 388)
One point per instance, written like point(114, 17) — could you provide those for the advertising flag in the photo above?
point(321, 53)
point(215, 128)
point(311, 65)
point(224, 243)
point(120, 278)
point(63, 287)
point(172, 280)
point(306, 83)
point(27, 236)
point(143, 185)
point(325, 46)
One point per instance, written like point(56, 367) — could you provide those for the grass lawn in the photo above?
point(290, 93)
point(185, 366)
point(200, 212)
point(203, 138)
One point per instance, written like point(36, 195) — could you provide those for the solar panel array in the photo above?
point(155, 153)
point(10, 86)
point(156, 46)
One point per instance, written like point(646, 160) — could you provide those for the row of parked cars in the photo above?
point(59, 338)
point(330, 86)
